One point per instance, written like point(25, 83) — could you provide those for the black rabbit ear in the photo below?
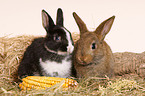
point(59, 19)
point(47, 21)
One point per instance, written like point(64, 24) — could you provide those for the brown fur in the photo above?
point(93, 62)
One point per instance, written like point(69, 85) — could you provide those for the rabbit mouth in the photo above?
point(85, 64)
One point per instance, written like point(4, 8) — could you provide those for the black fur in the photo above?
point(30, 64)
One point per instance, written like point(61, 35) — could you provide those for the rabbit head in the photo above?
point(91, 49)
point(58, 39)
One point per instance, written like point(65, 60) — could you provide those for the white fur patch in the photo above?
point(70, 47)
point(55, 69)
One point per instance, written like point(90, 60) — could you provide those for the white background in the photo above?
point(23, 17)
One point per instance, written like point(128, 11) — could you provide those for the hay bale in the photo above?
point(12, 49)
point(128, 62)
point(11, 52)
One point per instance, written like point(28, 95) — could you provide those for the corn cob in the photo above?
point(42, 82)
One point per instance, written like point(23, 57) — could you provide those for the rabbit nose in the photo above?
point(85, 59)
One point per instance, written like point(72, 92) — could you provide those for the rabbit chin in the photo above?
point(70, 49)
point(63, 53)
point(60, 52)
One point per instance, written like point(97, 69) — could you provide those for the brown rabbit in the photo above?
point(92, 55)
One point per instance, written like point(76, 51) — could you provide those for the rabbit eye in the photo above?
point(57, 38)
point(93, 45)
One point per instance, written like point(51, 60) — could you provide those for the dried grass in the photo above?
point(128, 62)
point(11, 52)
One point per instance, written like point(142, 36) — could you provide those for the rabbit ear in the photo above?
point(80, 23)
point(47, 21)
point(104, 28)
point(59, 19)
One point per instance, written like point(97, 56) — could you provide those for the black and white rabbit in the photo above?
point(49, 56)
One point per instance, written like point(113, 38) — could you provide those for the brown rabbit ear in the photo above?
point(80, 23)
point(104, 28)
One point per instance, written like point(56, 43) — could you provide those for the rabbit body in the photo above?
point(92, 55)
point(50, 55)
